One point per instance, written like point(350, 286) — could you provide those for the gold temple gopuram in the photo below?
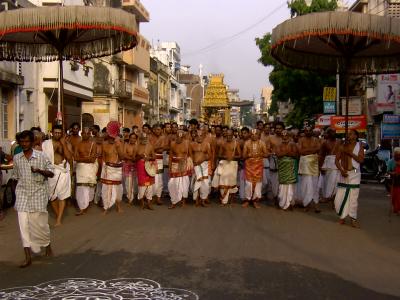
point(215, 108)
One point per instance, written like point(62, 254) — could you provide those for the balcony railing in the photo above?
point(123, 88)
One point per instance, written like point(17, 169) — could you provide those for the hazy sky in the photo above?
point(197, 24)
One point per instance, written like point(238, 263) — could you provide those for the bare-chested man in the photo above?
point(85, 157)
point(74, 138)
point(329, 172)
point(111, 174)
point(348, 160)
point(225, 178)
point(245, 136)
point(308, 169)
point(98, 139)
point(160, 143)
point(201, 153)
point(273, 141)
point(145, 153)
point(254, 152)
point(60, 156)
point(287, 153)
point(179, 169)
point(130, 149)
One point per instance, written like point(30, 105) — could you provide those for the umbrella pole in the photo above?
point(60, 112)
point(346, 120)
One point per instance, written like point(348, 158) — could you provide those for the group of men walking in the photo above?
point(269, 161)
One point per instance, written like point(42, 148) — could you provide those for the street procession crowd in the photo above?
point(142, 165)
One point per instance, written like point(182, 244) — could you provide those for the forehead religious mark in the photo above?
point(86, 288)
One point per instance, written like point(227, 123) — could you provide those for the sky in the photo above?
point(196, 25)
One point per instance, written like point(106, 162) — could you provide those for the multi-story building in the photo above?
point(120, 90)
point(266, 93)
point(233, 96)
point(367, 87)
point(169, 54)
point(195, 94)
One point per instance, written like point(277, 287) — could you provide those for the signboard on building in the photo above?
point(323, 121)
point(329, 107)
point(390, 131)
point(329, 94)
point(391, 119)
point(358, 123)
point(388, 93)
point(355, 108)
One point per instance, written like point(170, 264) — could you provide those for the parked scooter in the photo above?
point(373, 168)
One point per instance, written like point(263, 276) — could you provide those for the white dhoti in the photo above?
point(178, 188)
point(286, 195)
point(309, 173)
point(226, 179)
point(34, 229)
point(248, 191)
point(346, 200)
point(86, 181)
point(146, 192)
point(201, 181)
point(111, 179)
point(330, 178)
point(159, 178)
point(59, 186)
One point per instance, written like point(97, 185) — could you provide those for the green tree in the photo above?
point(304, 89)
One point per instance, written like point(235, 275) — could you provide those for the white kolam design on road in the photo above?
point(86, 288)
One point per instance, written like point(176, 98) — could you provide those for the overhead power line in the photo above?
point(226, 40)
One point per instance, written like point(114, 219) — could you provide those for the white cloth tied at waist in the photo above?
point(86, 173)
point(329, 163)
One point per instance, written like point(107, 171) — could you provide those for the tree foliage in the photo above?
point(302, 88)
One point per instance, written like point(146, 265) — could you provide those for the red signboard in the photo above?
point(358, 123)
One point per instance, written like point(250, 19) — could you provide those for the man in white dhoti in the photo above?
point(129, 168)
point(225, 177)
point(329, 172)
point(85, 157)
point(159, 142)
point(308, 169)
point(180, 166)
point(273, 142)
point(111, 174)
point(254, 151)
point(60, 156)
point(287, 169)
point(348, 160)
point(31, 168)
point(201, 153)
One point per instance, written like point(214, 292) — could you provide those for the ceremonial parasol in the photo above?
point(44, 34)
point(339, 42)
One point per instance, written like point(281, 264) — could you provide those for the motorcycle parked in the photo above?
point(373, 167)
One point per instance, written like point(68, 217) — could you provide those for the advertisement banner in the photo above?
point(329, 107)
point(329, 94)
point(323, 121)
point(355, 108)
point(388, 93)
point(391, 119)
point(358, 123)
point(390, 131)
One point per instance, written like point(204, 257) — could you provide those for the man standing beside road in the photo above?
point(160, 143)
point(31, 169)
point(308, 169)
point(60, 156)
point(86, 170)
point(348, 160)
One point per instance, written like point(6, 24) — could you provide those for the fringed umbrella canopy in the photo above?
point(339, 42)
point(65, 33)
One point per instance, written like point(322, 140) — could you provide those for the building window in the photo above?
point(4, 117)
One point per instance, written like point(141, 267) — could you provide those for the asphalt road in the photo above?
point(213, 253)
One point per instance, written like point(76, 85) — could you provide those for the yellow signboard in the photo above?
point(329, 94)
